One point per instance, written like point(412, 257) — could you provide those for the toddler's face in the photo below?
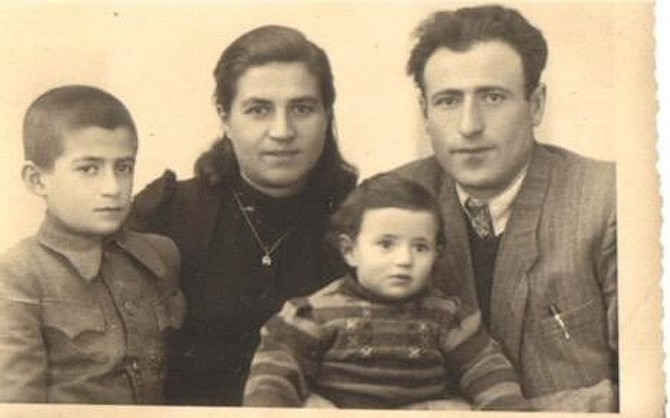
point(90, 186)
point(394, 252)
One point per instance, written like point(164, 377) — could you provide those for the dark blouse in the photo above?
point(229, 293)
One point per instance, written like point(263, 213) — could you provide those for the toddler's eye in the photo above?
point(385, 243)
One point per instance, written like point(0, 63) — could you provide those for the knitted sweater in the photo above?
point(359, 351)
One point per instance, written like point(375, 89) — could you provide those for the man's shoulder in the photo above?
point(596, 177)
point(568, 160)
point(425, 171)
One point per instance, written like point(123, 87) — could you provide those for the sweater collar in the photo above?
point(352, 285)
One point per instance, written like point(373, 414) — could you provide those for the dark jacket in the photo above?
point(228, 293)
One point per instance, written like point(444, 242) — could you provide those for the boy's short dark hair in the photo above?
point(459, 30)
point(66, 108)
point(381, 191)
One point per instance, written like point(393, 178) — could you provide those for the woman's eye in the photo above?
point(303, 110)
point(421, 248)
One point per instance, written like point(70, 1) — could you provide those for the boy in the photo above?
point(85, 305)
point(380, 337)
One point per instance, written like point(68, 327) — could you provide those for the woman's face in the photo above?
point(277, 124)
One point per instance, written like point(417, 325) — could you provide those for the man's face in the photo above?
point(394, 251)
point(477, 116)
point(89, 188)
point(277, 124)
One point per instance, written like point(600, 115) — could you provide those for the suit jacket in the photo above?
point(558, 248)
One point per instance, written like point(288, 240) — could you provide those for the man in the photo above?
point(530, 228)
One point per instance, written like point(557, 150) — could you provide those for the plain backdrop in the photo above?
point(158, 58)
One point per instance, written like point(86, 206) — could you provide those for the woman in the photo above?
point(250, 225)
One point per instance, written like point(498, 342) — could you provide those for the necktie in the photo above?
point(480, 218)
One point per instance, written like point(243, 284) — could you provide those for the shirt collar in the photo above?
point(500, 206)
point(83, 252)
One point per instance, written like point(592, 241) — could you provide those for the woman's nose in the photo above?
point(282, 126)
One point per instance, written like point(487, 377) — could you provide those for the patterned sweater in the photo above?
point(358, 351)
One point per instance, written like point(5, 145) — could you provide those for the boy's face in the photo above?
point(89, 188)
point(394, 252)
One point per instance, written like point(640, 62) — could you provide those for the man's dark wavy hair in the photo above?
point(459, 30)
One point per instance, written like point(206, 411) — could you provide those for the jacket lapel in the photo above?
point(517, 254)
point(456, 264)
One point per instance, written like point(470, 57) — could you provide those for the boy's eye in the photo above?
point(89, 169)
point(125, 167)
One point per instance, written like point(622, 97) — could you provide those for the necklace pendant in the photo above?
point(266, 260)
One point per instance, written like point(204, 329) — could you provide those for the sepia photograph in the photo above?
point(370, 208)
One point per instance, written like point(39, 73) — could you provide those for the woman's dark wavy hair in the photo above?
point(257, 47)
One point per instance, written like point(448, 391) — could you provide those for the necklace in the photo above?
point(266, 260)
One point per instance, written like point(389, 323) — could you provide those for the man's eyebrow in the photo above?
point(306, 99)
point(255, 100)
point(88, 159)
point(447, 92)
point(493, 88)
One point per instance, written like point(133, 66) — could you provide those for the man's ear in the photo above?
point(538, 99)
point(33, 178)
point(347, 250)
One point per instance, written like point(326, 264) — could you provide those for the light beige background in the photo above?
point(158, 59)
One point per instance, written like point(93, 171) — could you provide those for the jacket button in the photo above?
point(130, 307)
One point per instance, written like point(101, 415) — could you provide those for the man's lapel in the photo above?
point(456, 264)
point(517, 253)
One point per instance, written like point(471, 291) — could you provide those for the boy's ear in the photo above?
point(347, 250)
point(33, 178)
point(423, 105)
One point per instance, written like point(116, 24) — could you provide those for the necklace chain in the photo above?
point(266, 260)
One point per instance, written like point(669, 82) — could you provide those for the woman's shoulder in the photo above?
point(166, 194)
